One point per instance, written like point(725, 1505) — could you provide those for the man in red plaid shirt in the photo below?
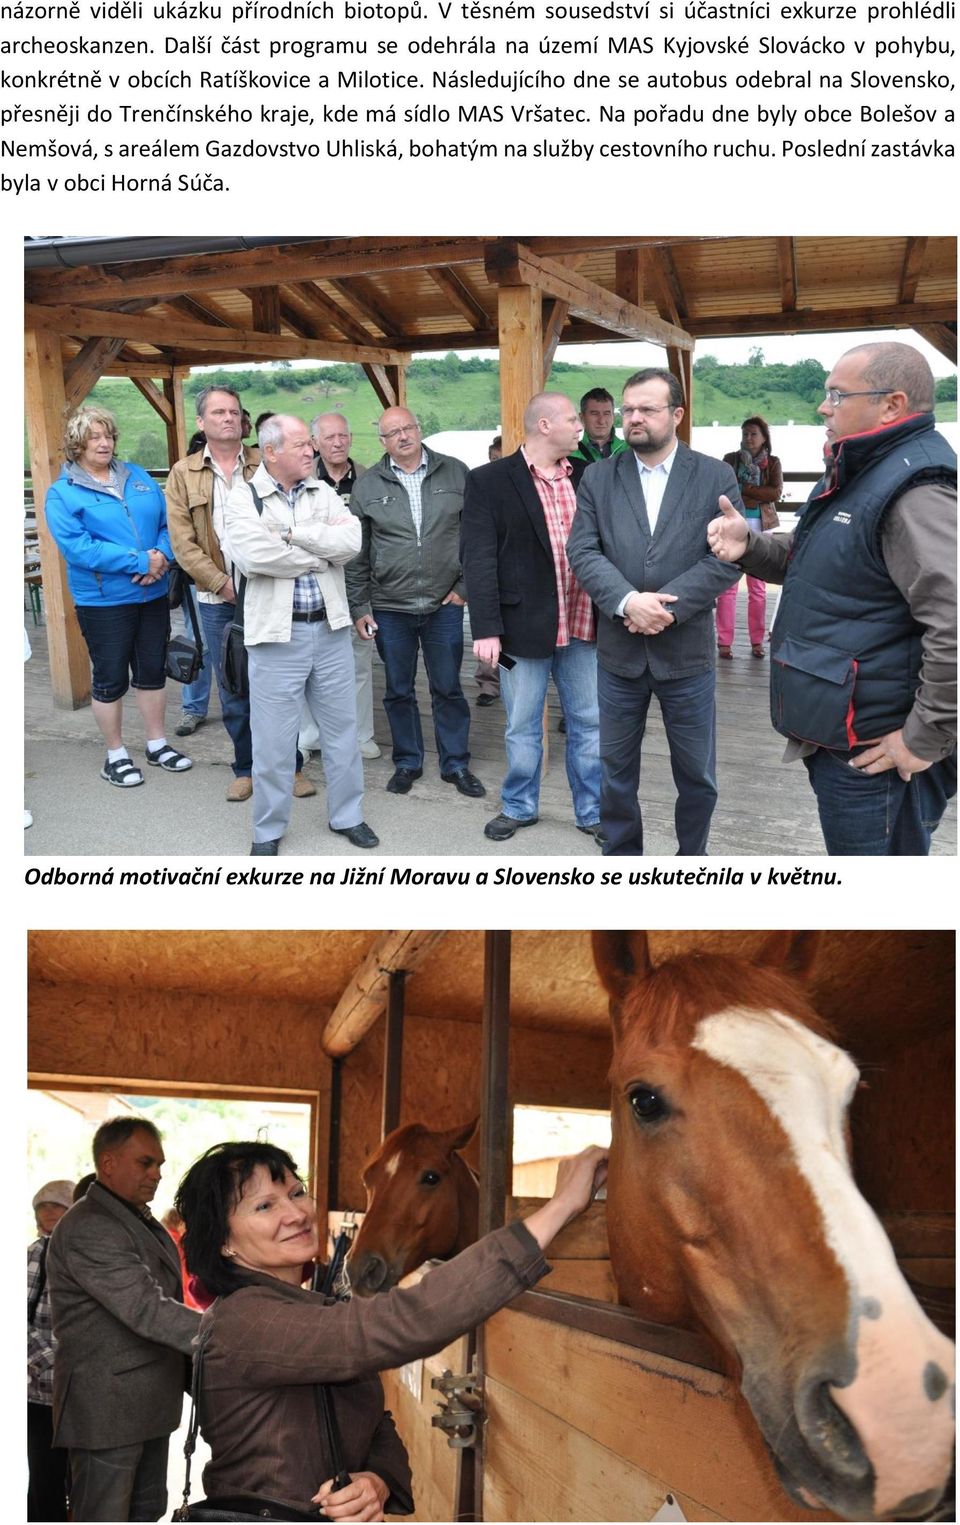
point(526, 604)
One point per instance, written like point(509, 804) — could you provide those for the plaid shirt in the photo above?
point(411, 482)
point(577, 621)
point(40, 1340)
point(306, 589)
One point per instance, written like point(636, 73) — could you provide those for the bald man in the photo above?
point(863, 679)
point(406, 592)
point(525, 602)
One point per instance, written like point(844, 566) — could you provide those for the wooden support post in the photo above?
point(177, 434)
point(628, 282)
point(680, 362)
point(393, 1053)
point(333, 1146)
point(495, 1124)
point(82, 373)
point(46, 406)
point(553, 317)
point(521, 357)
point(390, 384)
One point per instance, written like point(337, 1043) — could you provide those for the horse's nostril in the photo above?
point(371, 1273)
point(830, 1435)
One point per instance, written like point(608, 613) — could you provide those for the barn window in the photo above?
point(542, 1135)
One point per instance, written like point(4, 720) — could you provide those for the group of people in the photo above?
point(111, 1339)
point(609, 564)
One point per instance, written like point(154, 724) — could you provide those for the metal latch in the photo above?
point(461, 1412)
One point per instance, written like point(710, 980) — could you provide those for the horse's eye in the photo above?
point(648, 1105)
point(430, 1178)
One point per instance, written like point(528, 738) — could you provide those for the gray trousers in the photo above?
point(121, 1482)
point(363, 663)
point(316, 666)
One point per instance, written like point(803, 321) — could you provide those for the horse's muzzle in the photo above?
point(371, 1274)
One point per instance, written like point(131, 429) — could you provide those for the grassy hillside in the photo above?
point(464, 400)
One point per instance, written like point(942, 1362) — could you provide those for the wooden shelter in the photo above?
point(150, 308)
point(590, 1412)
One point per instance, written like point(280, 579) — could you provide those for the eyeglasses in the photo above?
point(645, 412)
point(396, 433)
point(835, 397)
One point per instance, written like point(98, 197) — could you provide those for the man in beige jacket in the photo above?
point(290, 535)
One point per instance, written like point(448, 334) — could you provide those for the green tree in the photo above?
point(946, 389)
point(755, 356)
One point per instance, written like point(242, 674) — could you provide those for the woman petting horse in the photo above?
point(249, 1228)
point(731, 1204)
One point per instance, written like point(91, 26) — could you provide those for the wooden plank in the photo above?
point(943, 337)
point(434, 1464)
point(264, 308)
point(457, 293)
point(671, 278)
point(824, 320)
point(581, 1278)
point(787, 261)
point(370, 306)
point(46, 408)
point(512, 264)
point(583, 1239)
point(84, 321)
point(365, 998)
point(689, 1428)
point(540, 1468)
point(913, 255)
point(521, 358)
point(206, 311)
point(321, 306)
point(629, 276)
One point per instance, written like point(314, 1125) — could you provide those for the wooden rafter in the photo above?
point(827, 320)
point(787, 261)
point(365, 997)
point(232, 344)
point(457, 293)
point(205, 312)
point(155, 398)
point(390, 384)
point(512, 264)
point(368, 306)
point(671, 279)
point(943, 337)
point(554, 317)
point(83, 371)
point(264, 308)
point(912, 269)
point(629, 276)
point(322, 306)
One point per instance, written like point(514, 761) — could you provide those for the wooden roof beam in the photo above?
point(629, 278)
point(365, 997)
point(456, 292)
point(327, 259)
point(815, 321)
point(512, 264)
point(83, 371)
point(321, 306)
point(264, 308)
point(943, 337)
point(912, 268)
point(553, 320)
point(671, 279)
point(204, 312)
point(787, 260)
point(227, 343)
point(368, 306)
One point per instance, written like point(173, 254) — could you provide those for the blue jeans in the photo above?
point(879, 815)
point(523, 689)
point(214, 619)
point(440, 636)
point(196, 695)
point(690, 720)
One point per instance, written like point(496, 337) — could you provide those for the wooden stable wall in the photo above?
point(102, 1034)
point(441, 1082)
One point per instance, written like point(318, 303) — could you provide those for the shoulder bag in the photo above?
point(236, 679)
point(183, 658)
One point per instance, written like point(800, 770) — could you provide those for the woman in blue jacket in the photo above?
point(109, 519)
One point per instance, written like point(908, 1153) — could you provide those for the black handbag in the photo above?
point(183, 659)
point(178, 581)
point(245, 1507)
point(233, 655)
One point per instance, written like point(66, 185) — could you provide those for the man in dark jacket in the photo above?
point(639, 547)
point(122, 1332)
point(863, 678)
point(405, 589)
point(525, 601)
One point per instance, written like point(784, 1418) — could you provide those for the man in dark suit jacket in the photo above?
point(122, 1332)
point(639, 547)
point(525, 602)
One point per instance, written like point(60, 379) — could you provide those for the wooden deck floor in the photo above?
point(765, 808)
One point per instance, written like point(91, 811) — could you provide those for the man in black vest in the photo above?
point(864, 646)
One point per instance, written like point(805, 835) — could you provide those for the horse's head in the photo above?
point(422, 1205)
point(730, 1203)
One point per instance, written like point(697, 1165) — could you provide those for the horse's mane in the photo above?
point(668, 1004)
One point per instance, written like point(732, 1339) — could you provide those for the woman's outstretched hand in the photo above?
point(362, 1499)
point(579, 1178)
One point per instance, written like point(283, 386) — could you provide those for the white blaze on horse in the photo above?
point(731, 1204)
point(422, 1204)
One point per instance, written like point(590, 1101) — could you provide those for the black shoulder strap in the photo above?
point(37, 1293)
point(242, 586)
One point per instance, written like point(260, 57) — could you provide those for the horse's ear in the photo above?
point(793, 952)
point(459, 1137)
point(621, 959)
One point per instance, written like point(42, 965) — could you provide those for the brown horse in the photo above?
point(422, 1204)
point(730, 1204)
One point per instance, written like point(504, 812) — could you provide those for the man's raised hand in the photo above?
point(727, 534)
